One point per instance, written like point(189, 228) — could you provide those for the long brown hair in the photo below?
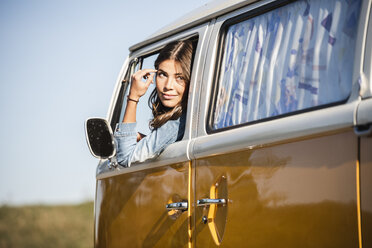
point(180, 51)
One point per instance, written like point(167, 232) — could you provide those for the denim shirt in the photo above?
point(130, 151)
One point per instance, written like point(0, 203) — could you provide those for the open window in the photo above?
point(144, 113)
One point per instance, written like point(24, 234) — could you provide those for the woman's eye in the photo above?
point(180, 78)
point(161, 74)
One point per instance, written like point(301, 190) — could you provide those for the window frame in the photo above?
point(260, 10)
point(124, 83)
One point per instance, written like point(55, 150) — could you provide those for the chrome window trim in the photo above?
point(359, 82)
point(117, 86)
point(367, 66)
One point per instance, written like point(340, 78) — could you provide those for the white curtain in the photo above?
point(292, 58)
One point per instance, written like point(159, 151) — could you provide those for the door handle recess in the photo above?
point(207, 202)
point(177, 206)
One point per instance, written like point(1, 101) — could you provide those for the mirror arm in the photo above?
point(113, 163)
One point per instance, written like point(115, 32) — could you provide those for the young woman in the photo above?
point(168, 103)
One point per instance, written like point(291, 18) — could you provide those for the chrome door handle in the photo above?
point(207, 202)
point(177, 206)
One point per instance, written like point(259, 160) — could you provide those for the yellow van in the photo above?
point(277, 150)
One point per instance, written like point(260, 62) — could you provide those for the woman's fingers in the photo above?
point(146, 74)
point(149, 79)
point(138, 87)
point(143, 74)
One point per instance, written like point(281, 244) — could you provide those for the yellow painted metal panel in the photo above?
point(366, 189)
point(296, 194)
point(130, 208)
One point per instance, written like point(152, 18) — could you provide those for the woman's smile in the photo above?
point(167, 96)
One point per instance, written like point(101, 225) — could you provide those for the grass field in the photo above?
point(46, 226)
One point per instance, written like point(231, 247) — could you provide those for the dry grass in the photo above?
point(46, 226)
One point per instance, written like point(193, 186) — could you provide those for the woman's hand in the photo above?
point(140, 136)
point(138, 88)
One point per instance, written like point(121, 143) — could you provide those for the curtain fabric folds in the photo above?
point(292, 58)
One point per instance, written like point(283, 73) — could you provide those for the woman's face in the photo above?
point(170, 83)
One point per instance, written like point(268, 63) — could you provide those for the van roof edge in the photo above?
point(198, 16)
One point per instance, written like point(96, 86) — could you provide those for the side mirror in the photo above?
point(100, 138)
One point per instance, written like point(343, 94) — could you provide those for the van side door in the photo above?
point(276, 154)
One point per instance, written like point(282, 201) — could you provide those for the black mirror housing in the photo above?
point(100, 138)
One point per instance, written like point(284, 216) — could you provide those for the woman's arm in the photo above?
point(132, 147)
point(129, 151)
point(137, 89)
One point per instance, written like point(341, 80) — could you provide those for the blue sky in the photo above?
point(59, 61)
